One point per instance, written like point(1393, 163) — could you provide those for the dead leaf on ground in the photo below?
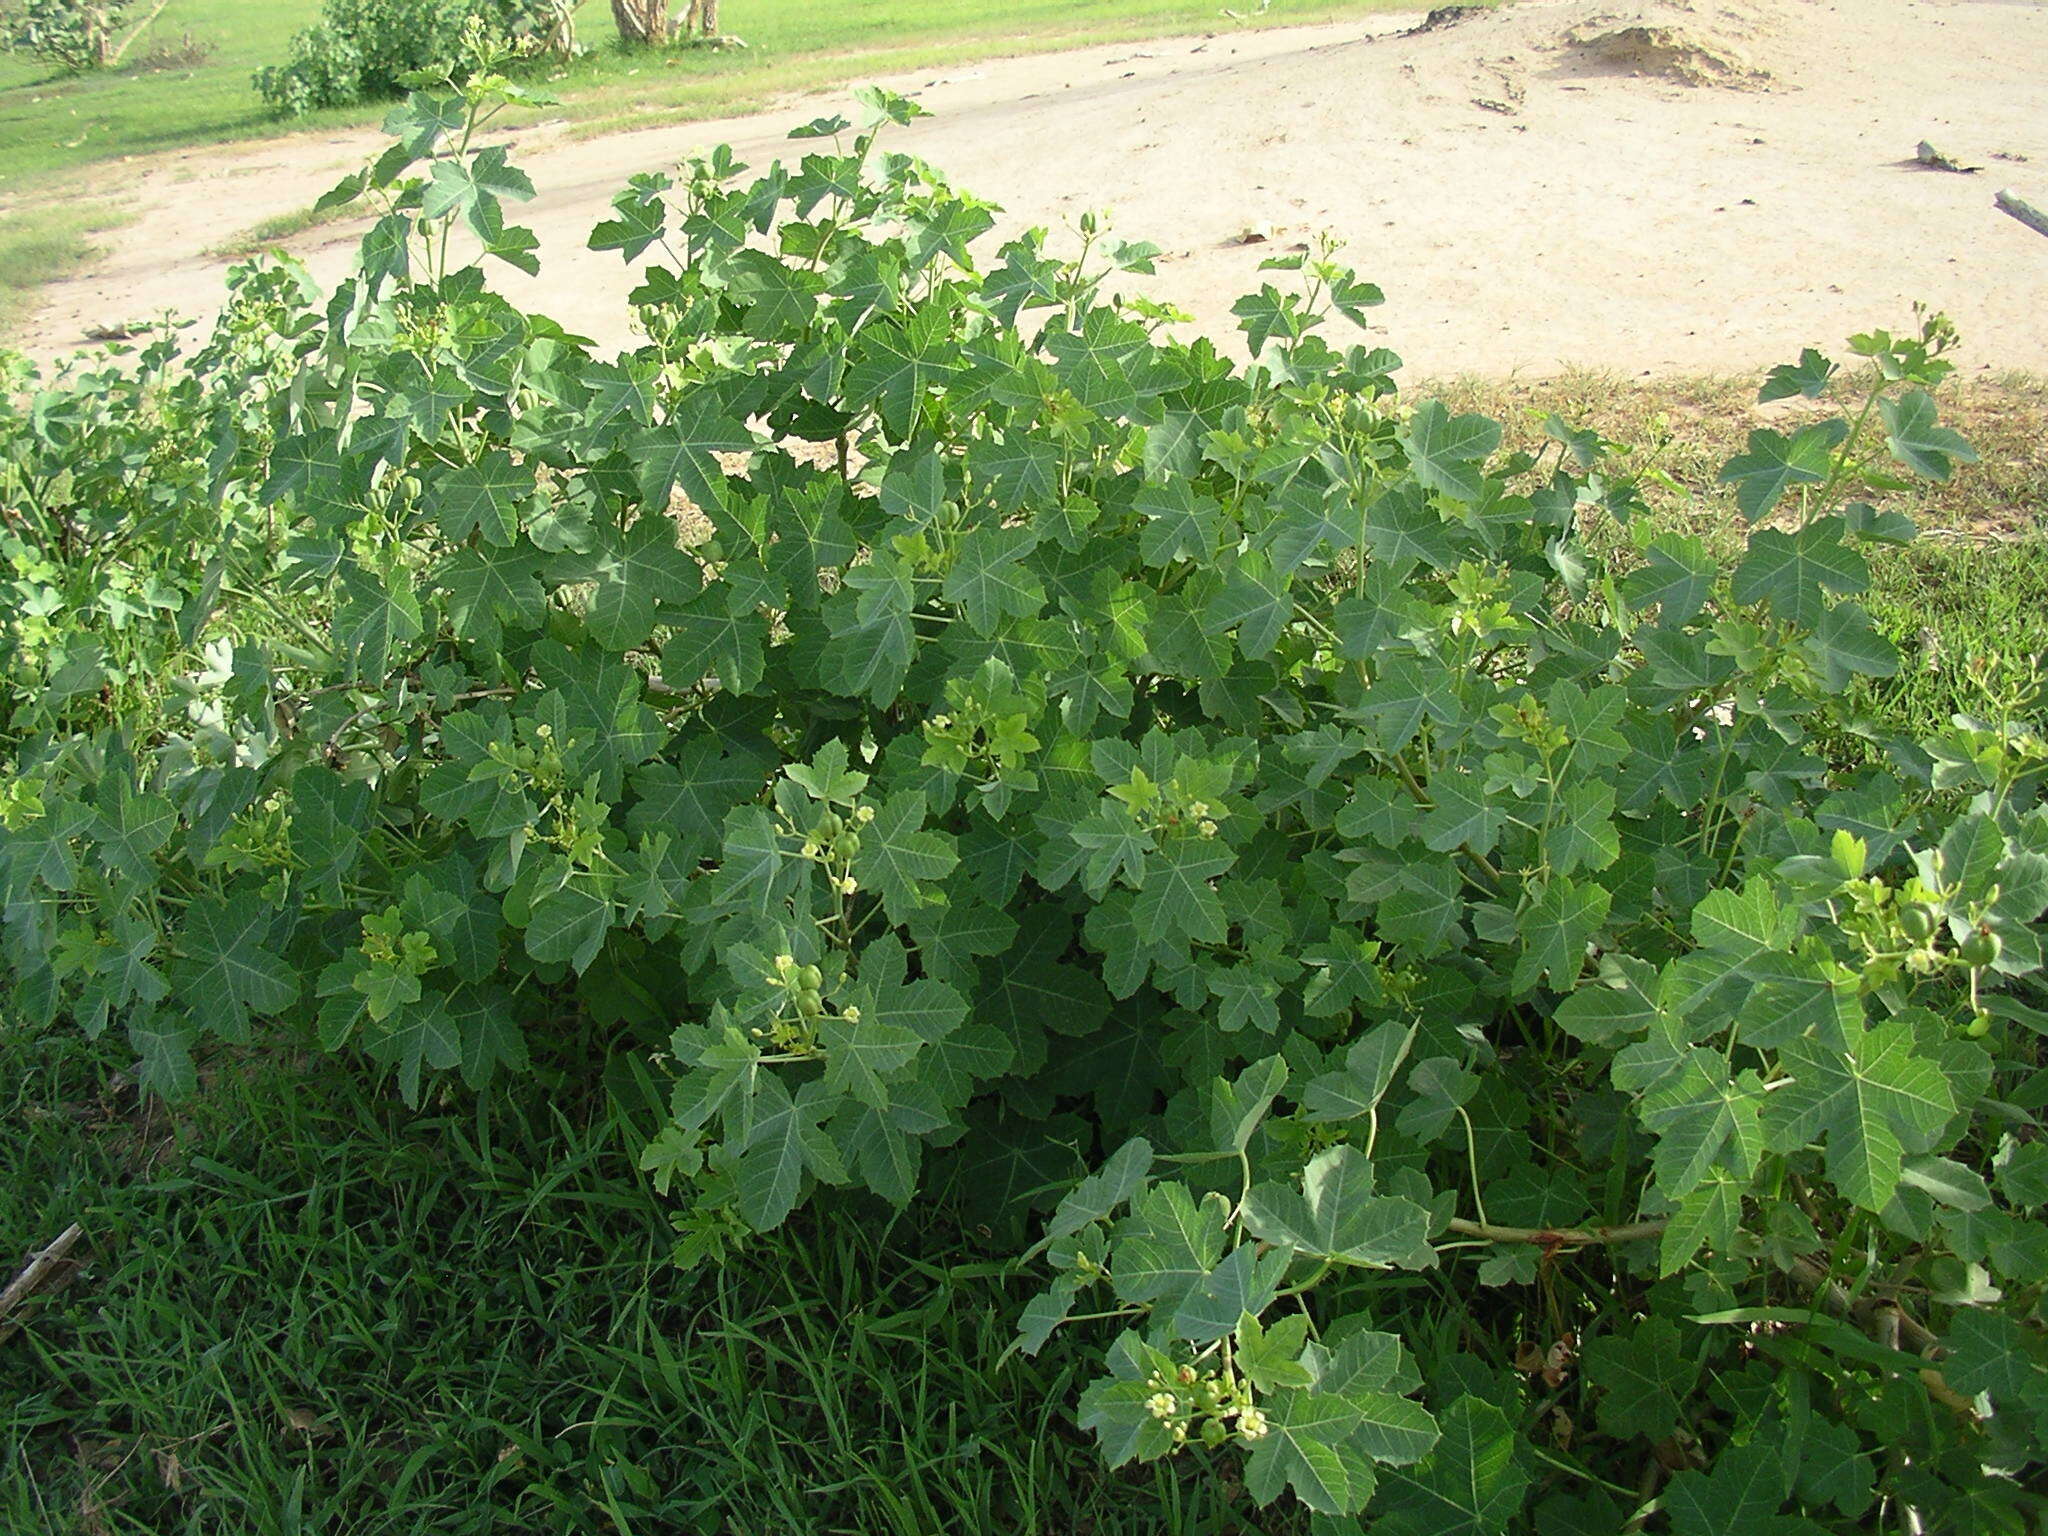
point(307, 1421)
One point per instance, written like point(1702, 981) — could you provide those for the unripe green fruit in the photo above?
point(1978, 1027)
point(1980, 949)
point(810, 978)
point(1917, 922)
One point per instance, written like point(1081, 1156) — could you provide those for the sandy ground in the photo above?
point(1536, 189)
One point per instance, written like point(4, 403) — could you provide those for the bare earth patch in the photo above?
point(1558, 184)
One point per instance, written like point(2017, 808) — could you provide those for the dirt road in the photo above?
point(1663, 187)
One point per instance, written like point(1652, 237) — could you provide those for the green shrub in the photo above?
point(974, 739)
point(75, 35)
point(362, 49)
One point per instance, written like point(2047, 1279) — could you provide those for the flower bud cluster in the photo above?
point(1210, 1406)
point(1166, 809)
point(833, 842)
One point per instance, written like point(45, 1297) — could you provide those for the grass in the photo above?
point(40, 247)
point(1944, 601)
point(53, 127)
point(306, 1309)
point(1688, 427)
point(57, 123)
point(265, 233)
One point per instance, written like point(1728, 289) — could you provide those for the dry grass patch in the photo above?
point(1975, 583)
point(1682, 430)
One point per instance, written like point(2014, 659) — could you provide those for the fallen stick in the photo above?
point(1888, 1321)
point(2026, 213)
point(38, 1272)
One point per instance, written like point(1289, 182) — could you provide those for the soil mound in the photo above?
point(1680, 43)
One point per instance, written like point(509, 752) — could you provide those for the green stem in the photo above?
point(1558, 1237)
point(1840, 467)
point(1472, 1159)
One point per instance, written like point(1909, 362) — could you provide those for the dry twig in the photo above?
point(1885, 1320)
point(41, 1270)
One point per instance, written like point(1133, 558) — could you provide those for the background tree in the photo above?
point(76, 35)
point(649, 21)
point(642, 21)
point(556, 28)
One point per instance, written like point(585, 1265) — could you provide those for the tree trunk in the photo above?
point(642, 21)
point(710, 18)
point(560, 39)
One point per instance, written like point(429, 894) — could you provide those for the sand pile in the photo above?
point(1714, 45)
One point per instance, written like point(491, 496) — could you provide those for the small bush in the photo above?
point(967, 739)
point(185, 51)
point(76, 35)
point(360, 49)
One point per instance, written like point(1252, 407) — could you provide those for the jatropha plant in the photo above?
point(1380, 932)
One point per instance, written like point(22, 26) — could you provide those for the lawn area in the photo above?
point(54, 123)
point(362, 1320)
